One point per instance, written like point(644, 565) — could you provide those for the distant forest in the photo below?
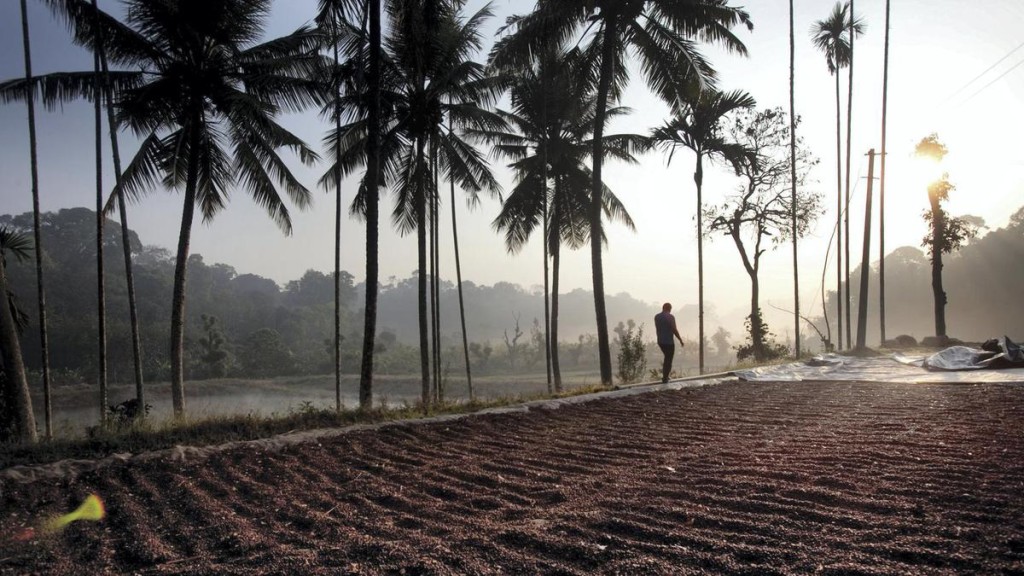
point(246, 325)
point(984, 283)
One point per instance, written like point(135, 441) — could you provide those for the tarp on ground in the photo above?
point(894, 368)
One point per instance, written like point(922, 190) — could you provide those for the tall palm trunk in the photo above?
point(14, 366)
point(698, 179)
point(547, 307)
point(839, 219)
point(792, 176)
point(181, 272)
point(881, 191)
point(596, 236)
point(101, 302)
point(37, 230)
point(372, 213)
point(546, 223)
point(337, 219)
point(556, 242)
point(462, 305)
point(421, 281)
point(133, 311)
point(435, 276)
point(846, 218)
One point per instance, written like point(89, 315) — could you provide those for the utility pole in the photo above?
point(865, 264)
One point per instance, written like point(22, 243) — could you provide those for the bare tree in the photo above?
point(758, 217)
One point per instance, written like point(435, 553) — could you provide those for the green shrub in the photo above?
point(632, 352)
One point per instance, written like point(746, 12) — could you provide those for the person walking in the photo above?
point(665, 327)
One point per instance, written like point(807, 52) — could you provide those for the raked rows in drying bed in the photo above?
point(759, 478)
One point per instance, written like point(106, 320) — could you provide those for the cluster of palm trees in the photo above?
point(407, 105)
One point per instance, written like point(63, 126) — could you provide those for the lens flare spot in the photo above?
point(91, 509)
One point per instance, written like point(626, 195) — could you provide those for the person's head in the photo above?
point(666, 307)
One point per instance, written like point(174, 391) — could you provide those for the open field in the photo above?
point(76, 407)
point(833, 478)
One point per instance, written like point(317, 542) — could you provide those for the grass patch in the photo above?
point(149, 435)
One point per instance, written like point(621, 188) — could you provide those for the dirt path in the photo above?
point(834, 478)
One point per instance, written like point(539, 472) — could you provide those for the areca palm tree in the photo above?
point(332, 19)
point(15, 401)
point(203, 96)
point(662, 35)
point(855, 27)
point(831, 36)
point(98, 85)
point(36, 225)
point(550, 125)
point(101, 300)
point(792, 167)
point(126, 245)
point(697, 126)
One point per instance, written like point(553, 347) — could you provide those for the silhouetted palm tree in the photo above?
point(57, 88)
point(661, 34)
point(550, 125)
point(428, 76)
point(855, 27)
point(17, 417)
point(101, 300)
point(697, 126)
point(371, 204)
point(881, 180)
point(830, 36)
point(205, 105)
point(793, 192)
point(36, 228)
point(332, 20)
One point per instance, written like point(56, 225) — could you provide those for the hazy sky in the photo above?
point(938, 50)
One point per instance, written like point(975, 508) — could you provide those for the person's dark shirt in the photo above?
point(664, 324)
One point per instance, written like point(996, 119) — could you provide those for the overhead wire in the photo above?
point(985, 71)
point(997, 78)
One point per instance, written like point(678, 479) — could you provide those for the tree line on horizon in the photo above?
point(406, 105)
point(246, 325)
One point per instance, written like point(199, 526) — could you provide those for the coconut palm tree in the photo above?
point(661, 34)
point(696, 125)
point(371, 204)
point(36, 226)
point(550, 125)
point(17, 418)
point(830, 36)
point(428, 77)
point(205, 106)
point(439, 79)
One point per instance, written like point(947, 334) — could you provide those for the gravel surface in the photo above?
point(762, 478)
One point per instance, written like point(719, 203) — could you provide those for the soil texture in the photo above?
point(735, 478)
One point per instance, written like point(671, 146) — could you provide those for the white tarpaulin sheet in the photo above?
point(894, 368)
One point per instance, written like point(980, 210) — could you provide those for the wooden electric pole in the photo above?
point(865, 263)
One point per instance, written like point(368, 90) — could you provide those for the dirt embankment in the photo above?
point(841, 478)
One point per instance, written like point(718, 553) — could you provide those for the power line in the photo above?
point(997, 78)
point(986, 71)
